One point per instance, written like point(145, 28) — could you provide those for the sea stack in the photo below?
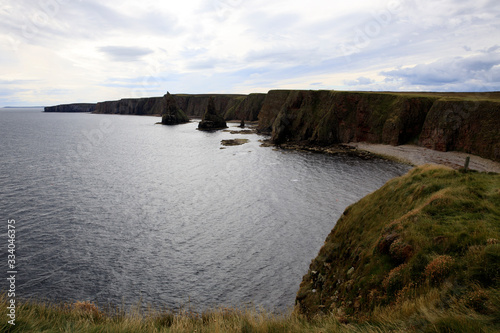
point(172, 114)
point(211, 119)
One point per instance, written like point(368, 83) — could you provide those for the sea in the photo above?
point(119, 210)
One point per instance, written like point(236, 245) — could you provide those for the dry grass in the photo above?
point(86, 317)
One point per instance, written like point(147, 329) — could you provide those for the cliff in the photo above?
point(246, 107)
point(233, 107)
point(468, 126)
point(464, 122)
point(468, 122)
point(326, 117)
point(132, 106)
point(77, 107)
point(429, 239)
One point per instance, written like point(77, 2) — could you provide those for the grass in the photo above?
point(86, 317)
point(422, 314)
point(464, 96)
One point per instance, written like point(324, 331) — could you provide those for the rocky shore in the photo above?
point(409, 154)
point(417, 156)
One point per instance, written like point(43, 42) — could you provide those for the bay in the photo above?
point(118, 209)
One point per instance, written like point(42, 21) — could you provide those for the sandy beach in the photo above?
point(419, 155)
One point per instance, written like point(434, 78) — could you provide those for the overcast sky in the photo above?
point(64, 51)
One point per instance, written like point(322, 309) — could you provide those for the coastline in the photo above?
point(408, 154)
point(417, 156)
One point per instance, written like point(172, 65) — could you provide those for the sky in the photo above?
point(68, 51)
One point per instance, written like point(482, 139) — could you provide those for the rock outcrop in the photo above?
point(172, 114)
point(76, 107)
point(212, 120)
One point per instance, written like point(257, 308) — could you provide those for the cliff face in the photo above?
point(430, 120)
point(239, 107)
point(469, 126)
point(326, 117)
point(246, 107)
point(77, 107)
point(271, 106)
point(132, 106)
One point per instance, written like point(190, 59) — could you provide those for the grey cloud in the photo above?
point(359, 81)
point(203, 64)
point(39, 23)
point(457, 73)
point(264, 22)
point(125, 53)
point(492, 49)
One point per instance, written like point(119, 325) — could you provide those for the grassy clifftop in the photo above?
point(424, 242)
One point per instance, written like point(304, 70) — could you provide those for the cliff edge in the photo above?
point(75, 107)
point(427, 240)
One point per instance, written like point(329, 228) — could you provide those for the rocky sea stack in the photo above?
point(172, 114)
point(211, 119)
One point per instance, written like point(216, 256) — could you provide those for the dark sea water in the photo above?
point(116, 209)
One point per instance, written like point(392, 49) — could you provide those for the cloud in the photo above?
point(479, 72)
point(125, 53)
point(360, 81)
point(491, 49)
point(15, 82)
point(112, 49)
